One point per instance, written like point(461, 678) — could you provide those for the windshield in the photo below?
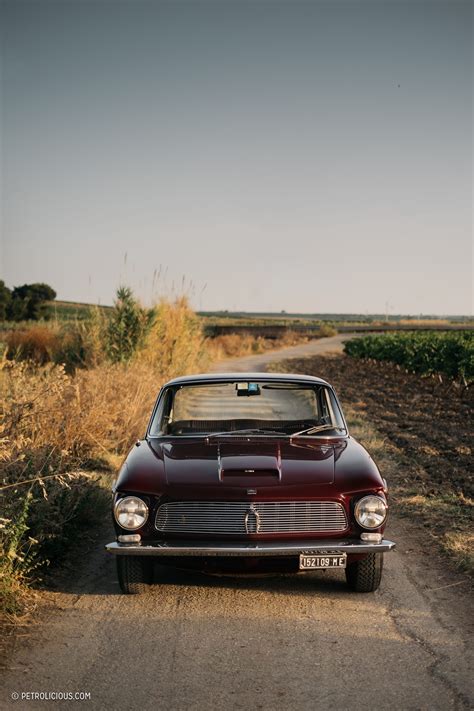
point(254, 407)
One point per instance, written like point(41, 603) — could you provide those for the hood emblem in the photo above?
point(251, 491)
point(252, 520)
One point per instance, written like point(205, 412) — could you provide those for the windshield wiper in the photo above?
point(317, 428)
point(254, 430)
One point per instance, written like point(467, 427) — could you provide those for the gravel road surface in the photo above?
point(287, 642)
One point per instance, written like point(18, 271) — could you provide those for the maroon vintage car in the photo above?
point(250, 472)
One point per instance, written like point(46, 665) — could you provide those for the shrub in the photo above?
point(326, 330)
point(128, 326)
point(232, 345)
point(36, 343)
point(81, 342)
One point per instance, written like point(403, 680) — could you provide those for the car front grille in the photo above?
point(245, 517)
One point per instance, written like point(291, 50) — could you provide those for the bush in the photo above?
point(128, 327)
point(234, 345)
point(81, 342)
point(36, 343)
point(326, 330)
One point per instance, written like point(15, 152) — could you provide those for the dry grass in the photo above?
point(57, 426)
point(38, 343)
point(176, 344)
point(234, 345)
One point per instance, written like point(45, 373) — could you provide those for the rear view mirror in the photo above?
point(247, 389)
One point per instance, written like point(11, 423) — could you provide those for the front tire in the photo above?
point(365, 575)
point(134, 574)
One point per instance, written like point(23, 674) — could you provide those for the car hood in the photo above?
point(229, 467)
point(247, 463)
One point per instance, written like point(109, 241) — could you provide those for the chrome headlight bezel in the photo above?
point(371, 505)
point(133, 502)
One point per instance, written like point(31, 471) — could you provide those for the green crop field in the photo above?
point(450, 354)
point(71, 310)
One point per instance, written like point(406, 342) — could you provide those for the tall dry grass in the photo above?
point(57, 428)
point(67, 411)
point(74, 344)
point(38, 343)
point(175, 344)
point(234, 345)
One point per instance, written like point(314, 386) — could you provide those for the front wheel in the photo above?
point(365, 575)
point(134, 574)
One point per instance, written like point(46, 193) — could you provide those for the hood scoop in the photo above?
point(242, 467)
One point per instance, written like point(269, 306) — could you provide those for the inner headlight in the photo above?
point(370, 512)
point(131, 512)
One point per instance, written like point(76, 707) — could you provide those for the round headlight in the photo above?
point(370, 512)
point(131, 512)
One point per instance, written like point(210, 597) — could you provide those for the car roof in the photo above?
point(238, 377)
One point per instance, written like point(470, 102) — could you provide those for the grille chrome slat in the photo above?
point(242, 517)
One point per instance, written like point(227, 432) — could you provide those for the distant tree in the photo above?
point(128, 326)
point(5, 299)
point(28, 302)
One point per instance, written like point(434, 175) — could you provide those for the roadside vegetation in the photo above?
point(74, 396)
point(73, 399)
point(419, 431)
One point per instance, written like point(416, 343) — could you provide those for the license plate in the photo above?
point(318, 562)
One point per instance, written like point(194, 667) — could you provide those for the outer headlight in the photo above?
point(370, 511)
point(131, 512)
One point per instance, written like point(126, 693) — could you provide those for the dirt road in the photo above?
point(273, 643)
point(259, 362)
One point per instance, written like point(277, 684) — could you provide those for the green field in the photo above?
point(451, 354)
point(72, 311)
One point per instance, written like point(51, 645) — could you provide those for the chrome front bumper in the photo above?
point(262, 548)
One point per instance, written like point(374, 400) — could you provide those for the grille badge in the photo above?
point(251, 492)
point(254, 513)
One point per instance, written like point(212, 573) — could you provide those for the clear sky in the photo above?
point(307, 156)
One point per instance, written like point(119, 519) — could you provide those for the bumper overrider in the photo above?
point(244, 549)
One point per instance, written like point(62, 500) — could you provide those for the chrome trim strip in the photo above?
point(262, 548)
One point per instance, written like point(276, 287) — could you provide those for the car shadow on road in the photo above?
point(96, 575)
point(287, 583)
